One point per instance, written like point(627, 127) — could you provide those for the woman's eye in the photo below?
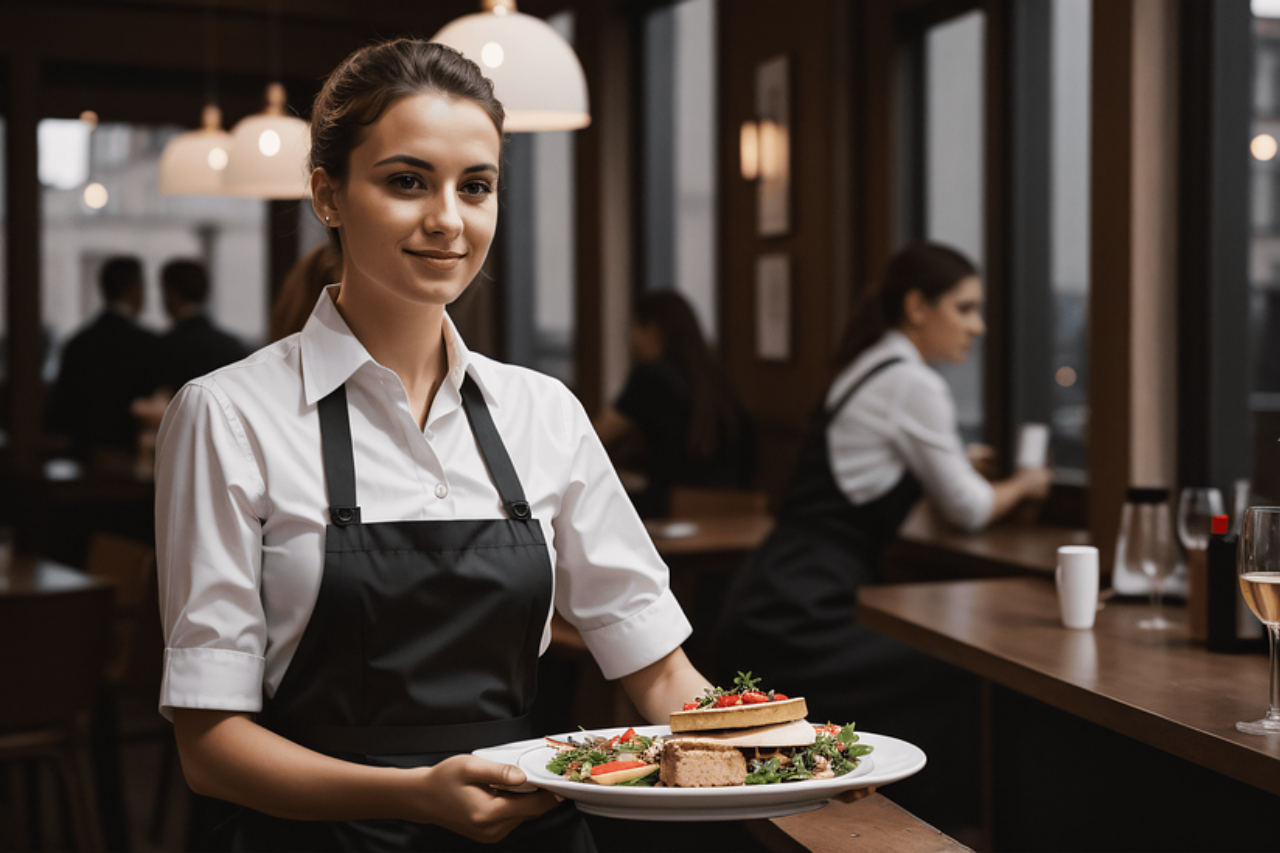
point(477, 188)
point(406, 182)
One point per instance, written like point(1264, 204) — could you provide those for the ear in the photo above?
point(324, 201)
point(915, 307)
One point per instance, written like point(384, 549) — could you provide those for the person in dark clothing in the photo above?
point(194, 346)
point(678, 402)
point(104, 368)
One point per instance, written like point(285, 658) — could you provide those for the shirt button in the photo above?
point(442, 490)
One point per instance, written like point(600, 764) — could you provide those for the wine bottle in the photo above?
point(1231, 627)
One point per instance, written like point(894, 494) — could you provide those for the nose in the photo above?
point(979, 326)
point(442, 216)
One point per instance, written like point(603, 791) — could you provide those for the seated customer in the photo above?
point(104, 367)
point(885, 435)
point(193, 346)
point(678, 402)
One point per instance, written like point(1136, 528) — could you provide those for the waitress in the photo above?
point(364, 528)
point(885, 435)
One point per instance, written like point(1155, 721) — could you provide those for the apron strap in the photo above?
point(494, 451)
point(835, 410)
point(339, 458)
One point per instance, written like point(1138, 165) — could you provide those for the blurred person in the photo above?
point(193, 346)
point(302, 285)
point(678, 402)
point(885, 435)
point(104, 367)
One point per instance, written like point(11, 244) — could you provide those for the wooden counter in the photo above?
point(1154, 687)
point(870, 823)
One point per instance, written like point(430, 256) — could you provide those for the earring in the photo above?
point(326, 219)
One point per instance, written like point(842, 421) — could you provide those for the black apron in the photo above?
point(791, 618)
point(789, 615)
point(423, 644)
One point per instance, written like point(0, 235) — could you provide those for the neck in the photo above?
point(406, 339)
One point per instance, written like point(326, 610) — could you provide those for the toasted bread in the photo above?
point(739, 716)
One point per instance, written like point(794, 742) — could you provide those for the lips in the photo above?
point(438, 258)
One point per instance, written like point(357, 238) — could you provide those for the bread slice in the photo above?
point(696, 763)
point(739, 716)
point(794, 733)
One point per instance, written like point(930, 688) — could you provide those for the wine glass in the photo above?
point(1258, 563)
point(1153, 550)
point(1196, 509)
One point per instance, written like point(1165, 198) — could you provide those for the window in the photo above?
point(950, 177)
point(538, 209)
point(99, 198)
point(679, 164)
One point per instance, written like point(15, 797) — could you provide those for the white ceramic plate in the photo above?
point(891, 760)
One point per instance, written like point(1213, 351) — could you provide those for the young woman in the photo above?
point(364, 527)
point(677, 400)
point(885, 435)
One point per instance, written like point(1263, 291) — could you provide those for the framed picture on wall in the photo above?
point(773, 307)
point(773, 122)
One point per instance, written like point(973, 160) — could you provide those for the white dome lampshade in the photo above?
point(535, 73)
point(269, 153)
point(192, 164)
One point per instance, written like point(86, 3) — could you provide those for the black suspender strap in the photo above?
point(888, 362)
point(339, 458)
point(494, 451)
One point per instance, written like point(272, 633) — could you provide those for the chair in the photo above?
point(692, 502)
point(51, 674)
point(130, 566)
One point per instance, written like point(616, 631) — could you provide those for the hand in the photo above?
point(1035, 482)
point(458, 796)
point(983, 459)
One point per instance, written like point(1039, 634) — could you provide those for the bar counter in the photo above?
point(1155, 687)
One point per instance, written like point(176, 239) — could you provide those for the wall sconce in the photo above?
point(762, 150)
point(749, 150)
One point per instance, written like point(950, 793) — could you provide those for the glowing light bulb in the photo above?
point(1263, 146)
point(491, 54)
point(269, 143)
point(96, 196)
point(1066, 377)
point(217, 159)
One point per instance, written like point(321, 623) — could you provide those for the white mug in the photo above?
point(1077, 578)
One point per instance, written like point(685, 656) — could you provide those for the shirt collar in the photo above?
point(331, 354)
point(896, 343)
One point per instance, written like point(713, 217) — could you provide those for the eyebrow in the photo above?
point(425, 166)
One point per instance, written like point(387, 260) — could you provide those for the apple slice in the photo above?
point(627, 775)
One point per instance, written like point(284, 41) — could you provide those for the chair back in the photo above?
point(137, 647)
point(53, 648)
point(691, 502)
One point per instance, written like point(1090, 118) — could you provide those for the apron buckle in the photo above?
point(518, 510)
point(344, 515)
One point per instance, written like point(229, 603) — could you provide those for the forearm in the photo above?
point(665, 686)
point(1026, 483)
point(232, 758)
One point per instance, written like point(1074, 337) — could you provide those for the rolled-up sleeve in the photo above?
point(209, 501)
point(611, 583)
point(928, 441)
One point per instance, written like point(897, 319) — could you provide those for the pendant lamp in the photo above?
point(269, 153)
point(535, 73)
point(192, 164)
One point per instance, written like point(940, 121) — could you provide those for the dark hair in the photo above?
point(185, 280)
point(715, 413)
point(931, 268)
point(118, 274)
point(301, 288)
point(368, 81)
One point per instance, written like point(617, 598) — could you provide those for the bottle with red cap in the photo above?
point(1229, 626)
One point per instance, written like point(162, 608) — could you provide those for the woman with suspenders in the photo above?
point(364, 528)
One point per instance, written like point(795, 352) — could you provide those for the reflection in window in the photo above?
point(679, 155)
point(1264, 248)
point(954, 177)
point(99, 198)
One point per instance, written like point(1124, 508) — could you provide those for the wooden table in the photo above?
point(869, 824)
point(1127, 684)
point(708, 535)
point(33, 576)
point(927, 548)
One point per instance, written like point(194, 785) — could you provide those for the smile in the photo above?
point(438, 259)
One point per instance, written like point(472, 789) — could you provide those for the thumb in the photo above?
point(512, 775)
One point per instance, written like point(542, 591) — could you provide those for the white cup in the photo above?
point(1077, 577)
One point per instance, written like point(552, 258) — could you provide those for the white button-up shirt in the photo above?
point(904, 418)
point(241, 506)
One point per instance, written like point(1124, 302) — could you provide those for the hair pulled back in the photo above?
point(931, 268)
point(368, 81)
point(714, 416)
